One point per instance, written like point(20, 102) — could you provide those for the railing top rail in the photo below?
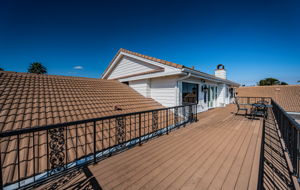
point(53, 126)
point(253, 97)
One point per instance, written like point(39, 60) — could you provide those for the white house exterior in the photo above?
point(171, 84)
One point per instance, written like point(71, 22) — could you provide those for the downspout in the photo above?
point(180, 79)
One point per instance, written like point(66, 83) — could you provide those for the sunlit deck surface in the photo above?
point(220, 151)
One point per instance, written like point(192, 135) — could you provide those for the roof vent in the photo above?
point(220, 71)
point(117, 108)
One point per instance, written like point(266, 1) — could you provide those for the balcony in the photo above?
point(168, 148)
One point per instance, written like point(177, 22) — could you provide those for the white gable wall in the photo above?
point(128, 66)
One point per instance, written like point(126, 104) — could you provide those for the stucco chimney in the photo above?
point(220, 71)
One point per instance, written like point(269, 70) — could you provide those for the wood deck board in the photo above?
point(219, 151)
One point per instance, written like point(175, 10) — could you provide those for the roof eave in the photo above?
point(210, 77)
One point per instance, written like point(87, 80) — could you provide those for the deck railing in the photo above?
point(290, 133)
point(253, 100)
point(288, 127)
point(32, 155)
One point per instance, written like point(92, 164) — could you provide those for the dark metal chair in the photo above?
point(239, 108)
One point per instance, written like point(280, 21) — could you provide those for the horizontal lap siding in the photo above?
point(163, 90)
point(128, 66)
point(141, 86)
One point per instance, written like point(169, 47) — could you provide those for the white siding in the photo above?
point(141, 86)
point(129, 66)
point(164, 90)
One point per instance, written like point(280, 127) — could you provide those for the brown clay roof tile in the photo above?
point(28, 100)
point(287, 96)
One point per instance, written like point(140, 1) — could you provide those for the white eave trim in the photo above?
point(199, 74)
point(121, 54)
point(153, 75)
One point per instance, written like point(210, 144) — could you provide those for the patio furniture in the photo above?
point(239, 108)
point(259, 109)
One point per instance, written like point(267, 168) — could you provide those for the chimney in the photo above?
point(220, 71)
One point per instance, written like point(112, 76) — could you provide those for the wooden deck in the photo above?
point(220, 151)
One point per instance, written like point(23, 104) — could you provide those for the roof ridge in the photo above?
point(47, 75)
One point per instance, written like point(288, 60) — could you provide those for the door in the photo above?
point(212, 96)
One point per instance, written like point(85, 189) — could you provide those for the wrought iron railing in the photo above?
point(290, 133)
point(31, 155)
point(253, 100)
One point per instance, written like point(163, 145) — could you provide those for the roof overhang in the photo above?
point(202, 75)
point(153, 75)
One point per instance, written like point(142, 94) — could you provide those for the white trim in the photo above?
point(153, 75)
point(111, 65)
point(121, 54)
point(200, 74)
point(295, 113)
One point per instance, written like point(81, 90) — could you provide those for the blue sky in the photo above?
point(254, 39)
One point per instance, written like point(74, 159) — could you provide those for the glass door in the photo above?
point(212, 96)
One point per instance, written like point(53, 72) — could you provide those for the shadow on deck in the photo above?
point(276, 174)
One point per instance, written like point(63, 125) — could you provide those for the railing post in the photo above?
point(140, 129)
point(94, 128)
point(295, 154)
point(196, 112)
point(1, 177)
point(167, 120)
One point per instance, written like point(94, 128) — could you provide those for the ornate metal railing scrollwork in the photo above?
point(80, 143)
point(120, 130)
point(56, 149)
point(154, 120)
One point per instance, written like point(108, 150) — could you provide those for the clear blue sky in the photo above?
point(252, 38)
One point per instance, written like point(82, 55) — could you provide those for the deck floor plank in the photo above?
point(219, 151)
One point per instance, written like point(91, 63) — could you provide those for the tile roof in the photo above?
point(29, 100)
point(287, 96)
point(154, 59)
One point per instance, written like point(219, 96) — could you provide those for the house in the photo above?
point(287, 96)
point(59, 132)
point(169, 83)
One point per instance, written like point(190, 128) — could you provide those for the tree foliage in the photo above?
point(1, 69)
point(270, 81)
point(37, 67)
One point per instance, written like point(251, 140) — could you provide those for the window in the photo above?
point(189, 93)
point(231, 92)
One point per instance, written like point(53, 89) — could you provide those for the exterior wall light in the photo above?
point(204, 88)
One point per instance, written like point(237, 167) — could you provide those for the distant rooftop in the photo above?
point(287, 96)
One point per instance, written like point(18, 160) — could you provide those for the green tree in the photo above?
point(270, 81)
point(37, 67)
